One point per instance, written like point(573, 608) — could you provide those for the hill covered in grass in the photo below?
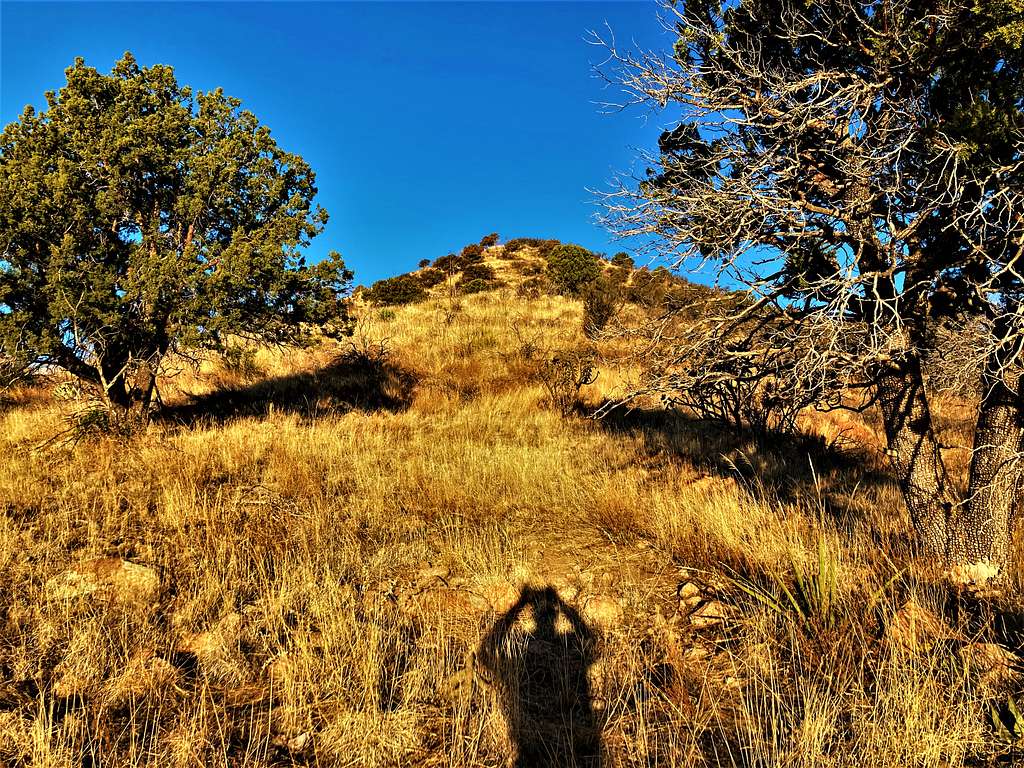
point(532, 267)
point(417, 548)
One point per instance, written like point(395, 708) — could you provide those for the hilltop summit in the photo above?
point(532, 267)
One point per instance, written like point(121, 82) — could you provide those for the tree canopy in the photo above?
point(139, 217)
point(570, 268)
point(858, 167)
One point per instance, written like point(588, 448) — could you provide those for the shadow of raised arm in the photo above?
point(498, 634)
point(579, 627)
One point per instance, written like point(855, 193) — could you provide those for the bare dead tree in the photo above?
point(857, 169)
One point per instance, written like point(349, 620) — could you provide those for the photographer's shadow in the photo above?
point(540, 673)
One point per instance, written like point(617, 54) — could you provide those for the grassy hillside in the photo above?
point(398, 552)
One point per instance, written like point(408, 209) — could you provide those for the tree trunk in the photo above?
point(914, 454)
point(112, 378)
point(913, 451)
point(130, 393)
point(143, 388)
point(980, 536)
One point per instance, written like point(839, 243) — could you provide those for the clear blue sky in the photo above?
point(428, 124)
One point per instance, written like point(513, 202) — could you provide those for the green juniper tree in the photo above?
point(138, 216)
point(859, 168)
point(570, 268)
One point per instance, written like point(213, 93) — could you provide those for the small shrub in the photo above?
point(478, 272)
point(746, 389)
point(623, 260)
point(601, 300)
point(395, 291)
point(476, 278)
point(546, 247)
point(812, 594)
point(475, 286)
point(1005, 719)
point(565, 374)
point(472, 253)
point(531, 288)
point(646, 289)
point(570, 268)
point(516, 244)
point(13, 371)
point(430, 277)
point(240, 360)
point(488, 240)
point(92, 418)
point(387, 315)
point(424, 263)
point(449, 263)
point(528, 347)
point(543, 247)
point(67, 391)
point(99, 420)
point(618, 275)
point(688, 300)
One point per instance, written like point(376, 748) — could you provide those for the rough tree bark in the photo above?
point(915, 455)
point(980, 539)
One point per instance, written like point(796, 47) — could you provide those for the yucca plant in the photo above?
point(1006, 720)
point(808, 593)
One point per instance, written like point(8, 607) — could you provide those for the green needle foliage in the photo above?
point(139, 216)
point(571, 268)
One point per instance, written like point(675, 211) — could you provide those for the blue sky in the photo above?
point(428, 124)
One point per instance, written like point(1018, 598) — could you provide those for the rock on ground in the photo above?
point(107, 577)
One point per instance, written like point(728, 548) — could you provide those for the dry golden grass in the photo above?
point(332, 554)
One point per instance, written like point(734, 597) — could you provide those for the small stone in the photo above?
point(976, 574)
point(145, 674)
point(689, 594)
point(347, 593)
point(300, 742)
point(459, 686)
point(70, 685)
point(568, 593)
point(598, 676)
point(478, 602)
point(161, 670)
point(710, 614)
point(565, 589)
point(916, 629)
point(602, 611)
point(107, 577)
point(282, 670)
point(214, 643)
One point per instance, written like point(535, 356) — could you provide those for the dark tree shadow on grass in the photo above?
point(541, 677)
point(353, 381)
point(790, 468)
